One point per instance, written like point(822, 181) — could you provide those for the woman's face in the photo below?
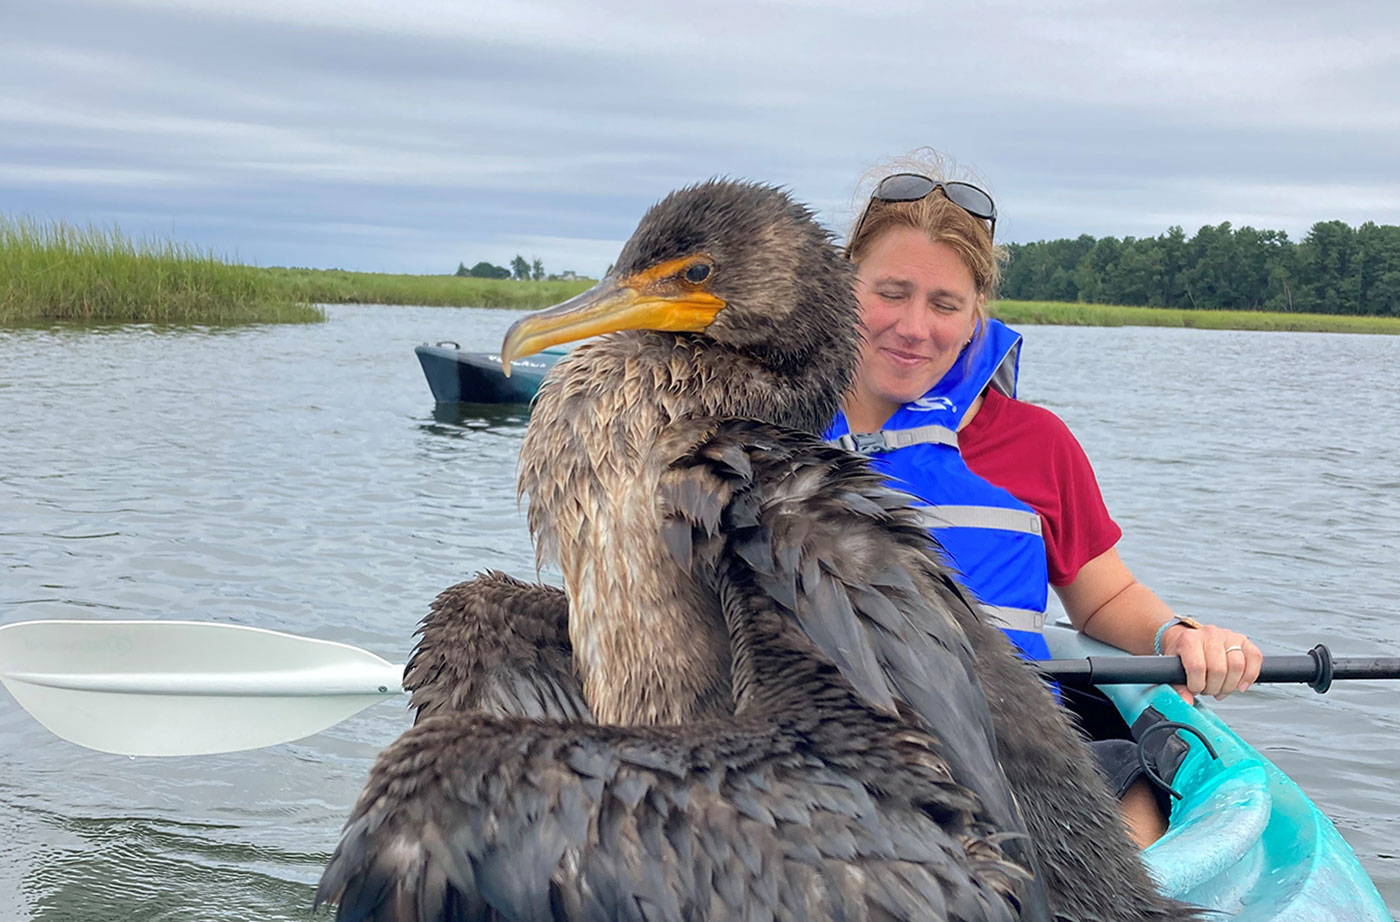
point(918, 307)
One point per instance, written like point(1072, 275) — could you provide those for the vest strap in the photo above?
point(1016, 619)
point(1018, 520)
point(872, 443)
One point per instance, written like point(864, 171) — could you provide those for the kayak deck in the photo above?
point(1244, 839)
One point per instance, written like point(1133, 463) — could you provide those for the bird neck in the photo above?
point(650, 658)
point(808, 386)
point(649, 642)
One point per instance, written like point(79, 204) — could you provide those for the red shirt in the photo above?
point(1027, 451)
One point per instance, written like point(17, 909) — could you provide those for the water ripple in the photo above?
point(300, 478)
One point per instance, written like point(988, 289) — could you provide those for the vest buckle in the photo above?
point(868, 443)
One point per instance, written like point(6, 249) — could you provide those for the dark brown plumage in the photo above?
point(497, 645)
point(797, 730)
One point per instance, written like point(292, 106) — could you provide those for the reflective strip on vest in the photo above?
point(980, 517)
point(869, 443)
point(1016, 619)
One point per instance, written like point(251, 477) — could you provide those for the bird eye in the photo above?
point(697, 273)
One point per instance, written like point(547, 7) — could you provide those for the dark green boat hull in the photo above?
point(455, 376)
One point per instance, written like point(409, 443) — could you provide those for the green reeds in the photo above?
point(337, 286)
point(57, 272)
point(1113, 315)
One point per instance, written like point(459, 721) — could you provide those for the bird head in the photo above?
point(738, 262)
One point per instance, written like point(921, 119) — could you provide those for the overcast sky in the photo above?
point(408, 136)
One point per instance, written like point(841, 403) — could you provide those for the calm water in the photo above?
point(300, 478)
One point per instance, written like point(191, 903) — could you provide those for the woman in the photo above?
point(1012, 497)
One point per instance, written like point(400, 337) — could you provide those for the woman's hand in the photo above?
point(1218, 661)
point(1106, 602)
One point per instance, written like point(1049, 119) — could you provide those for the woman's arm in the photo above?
point(1107, 602)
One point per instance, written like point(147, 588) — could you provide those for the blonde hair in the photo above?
point(939, 219)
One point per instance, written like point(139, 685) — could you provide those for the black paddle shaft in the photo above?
point(1316, 668)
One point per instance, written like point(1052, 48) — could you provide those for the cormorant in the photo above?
point(789, 724)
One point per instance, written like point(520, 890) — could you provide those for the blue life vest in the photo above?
point(991, 537)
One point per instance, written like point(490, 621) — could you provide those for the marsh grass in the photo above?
point(58, 272)
point(337, 286)
point(1113, 315)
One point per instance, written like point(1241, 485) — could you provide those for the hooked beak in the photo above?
point(637, 302)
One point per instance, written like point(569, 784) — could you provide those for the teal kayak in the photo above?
point(1243, 839)
point(455, 376)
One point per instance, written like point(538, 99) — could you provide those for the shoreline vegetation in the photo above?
point(1065, 313)
point(56, 272)
point(338, 286)
point(1334, 269)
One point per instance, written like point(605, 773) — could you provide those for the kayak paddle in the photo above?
point(192, 688)
point(1316, 668)
point(162, 688)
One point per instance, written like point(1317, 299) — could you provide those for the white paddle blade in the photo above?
point(165, 688)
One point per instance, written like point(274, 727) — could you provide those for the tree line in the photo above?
point(520, 270)
point(1335, 269)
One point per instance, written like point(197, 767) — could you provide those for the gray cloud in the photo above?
point(408, 136)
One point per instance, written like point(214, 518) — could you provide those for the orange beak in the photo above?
point(649, 300)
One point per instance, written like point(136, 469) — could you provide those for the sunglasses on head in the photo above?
point(913, 187)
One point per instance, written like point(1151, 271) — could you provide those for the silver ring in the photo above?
point(1234, 648)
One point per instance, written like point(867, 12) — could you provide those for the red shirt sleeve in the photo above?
point(1029, 452)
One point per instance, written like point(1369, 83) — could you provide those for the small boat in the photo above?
point(455, 376)
point(1243, 839)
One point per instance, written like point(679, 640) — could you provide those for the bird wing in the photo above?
point(498, 645)
point(825, 537)
point(468, 816)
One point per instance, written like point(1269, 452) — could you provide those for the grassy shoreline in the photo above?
point(334, 286)
point(339, 286)
point(57, 272)
point(1065, 313)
